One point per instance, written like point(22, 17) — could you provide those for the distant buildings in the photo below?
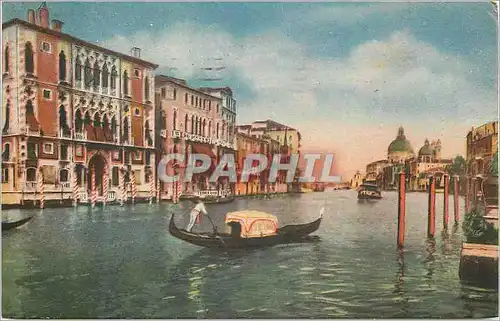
point(357, 180)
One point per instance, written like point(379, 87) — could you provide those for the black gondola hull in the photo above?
point(287, 234)
point(12, 225)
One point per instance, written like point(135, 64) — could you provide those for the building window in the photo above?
point(46, 47)
point(47, 94)
point(63, 175)
point(62, 66)
point(125, 83)
point(148, 157)
point(105, 76)
point(30, 174)
point(78, 70)
point(146, 88)
point(137, 73)
point(87, 74)
point(48, 148)
point(186, 98)
point(192, 100)
point(209, 105)
point(97, 75)
point(175, 120)
point(192, 124)
point(28, 58)
point(175, 93)
point(196, 101)
point(217, 108)
point(6, 152)
point(137, 112)
point(138, 155)
point(163, 92)
point(5, 129)
point(114, 74)
point(186, 123)
point(115, 176)
point(64, 152)
point(6, 59)
point(137, 176)
point(5, 175)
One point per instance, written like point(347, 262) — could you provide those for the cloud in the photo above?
point(352, 105)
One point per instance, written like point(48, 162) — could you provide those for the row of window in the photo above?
point(92, 75)
point(205, 104)
point(199, 126)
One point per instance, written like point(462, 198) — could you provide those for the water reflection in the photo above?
point(429, 258)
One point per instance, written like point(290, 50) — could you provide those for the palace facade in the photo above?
point(71, 107)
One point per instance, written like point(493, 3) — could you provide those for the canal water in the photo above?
point(121, 262)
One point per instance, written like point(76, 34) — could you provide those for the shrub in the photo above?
point(478, 230)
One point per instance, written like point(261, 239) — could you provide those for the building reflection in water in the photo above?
point(399, 284)
point(429, 258)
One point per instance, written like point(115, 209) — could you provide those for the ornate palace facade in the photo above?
point(71, 106)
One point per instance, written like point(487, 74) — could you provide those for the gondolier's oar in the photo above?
point(215, 231)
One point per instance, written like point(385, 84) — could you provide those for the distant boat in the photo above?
point(369, 191)
point(319, 189)
point(12, 225)
point(218, 200)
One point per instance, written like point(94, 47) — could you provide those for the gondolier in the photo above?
point(195, 212)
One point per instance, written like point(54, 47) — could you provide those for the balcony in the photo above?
point(64, 134)
point(31, 132)
point(81, 135)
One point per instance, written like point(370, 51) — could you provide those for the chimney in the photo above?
point(136, 52)
point(57, 25)
point(43, 16)
point(31, 16)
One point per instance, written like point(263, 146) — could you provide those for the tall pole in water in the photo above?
point(431, 217)
point(446, 178)
point(401, 209)
point(456, 190)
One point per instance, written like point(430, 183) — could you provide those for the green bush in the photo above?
point(478, 230)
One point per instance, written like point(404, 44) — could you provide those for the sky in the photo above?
point(346, 75)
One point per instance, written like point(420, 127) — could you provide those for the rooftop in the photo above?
point(76, 41)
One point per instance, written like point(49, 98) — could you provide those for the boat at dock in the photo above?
point(218, 200)
point(248, 229)
point(369, 191)
point(15, 224)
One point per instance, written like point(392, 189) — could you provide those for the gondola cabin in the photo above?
point(250, 224)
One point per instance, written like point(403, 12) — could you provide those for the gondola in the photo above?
point(12, 225)
point(239, 237)
point(218, 200)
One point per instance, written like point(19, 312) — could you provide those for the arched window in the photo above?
point(105, 122)
point(29, 107)
point(204, 128)
point(146, 88)
point(209, 128)
point(105, 76)
point(217, 131)
point(125, 129)
point(196, 126)
point(97, 120)
point(192, 124)
point(62, 66)
point(186, 123)
point(175, 93)
point(87, 74)
point(63, 120)
point(192, 100)
point(78, 70)
point(31, 174)
point(113, 126)
point(63, 175)
point(175, 120)
point(7, 117)
point(28, 58)
point(6, 59)
point(146, 130)
point(114, 74)
point(78, 121)
point(125, 83)
point(97, 75)
point(6, 152)
point(186, 98)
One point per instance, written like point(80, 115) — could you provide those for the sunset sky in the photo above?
point(346, 75)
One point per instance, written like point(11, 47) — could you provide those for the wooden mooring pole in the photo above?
point(401, 209)
point(456, 190)
point(467, 191)
point(446, 178)
point(431, 217)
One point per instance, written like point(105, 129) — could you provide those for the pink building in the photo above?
point(190, 121)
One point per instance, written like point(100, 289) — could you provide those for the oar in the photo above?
point(215, 231)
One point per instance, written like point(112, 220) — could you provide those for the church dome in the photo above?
point(426, 150)
point(400, 144)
